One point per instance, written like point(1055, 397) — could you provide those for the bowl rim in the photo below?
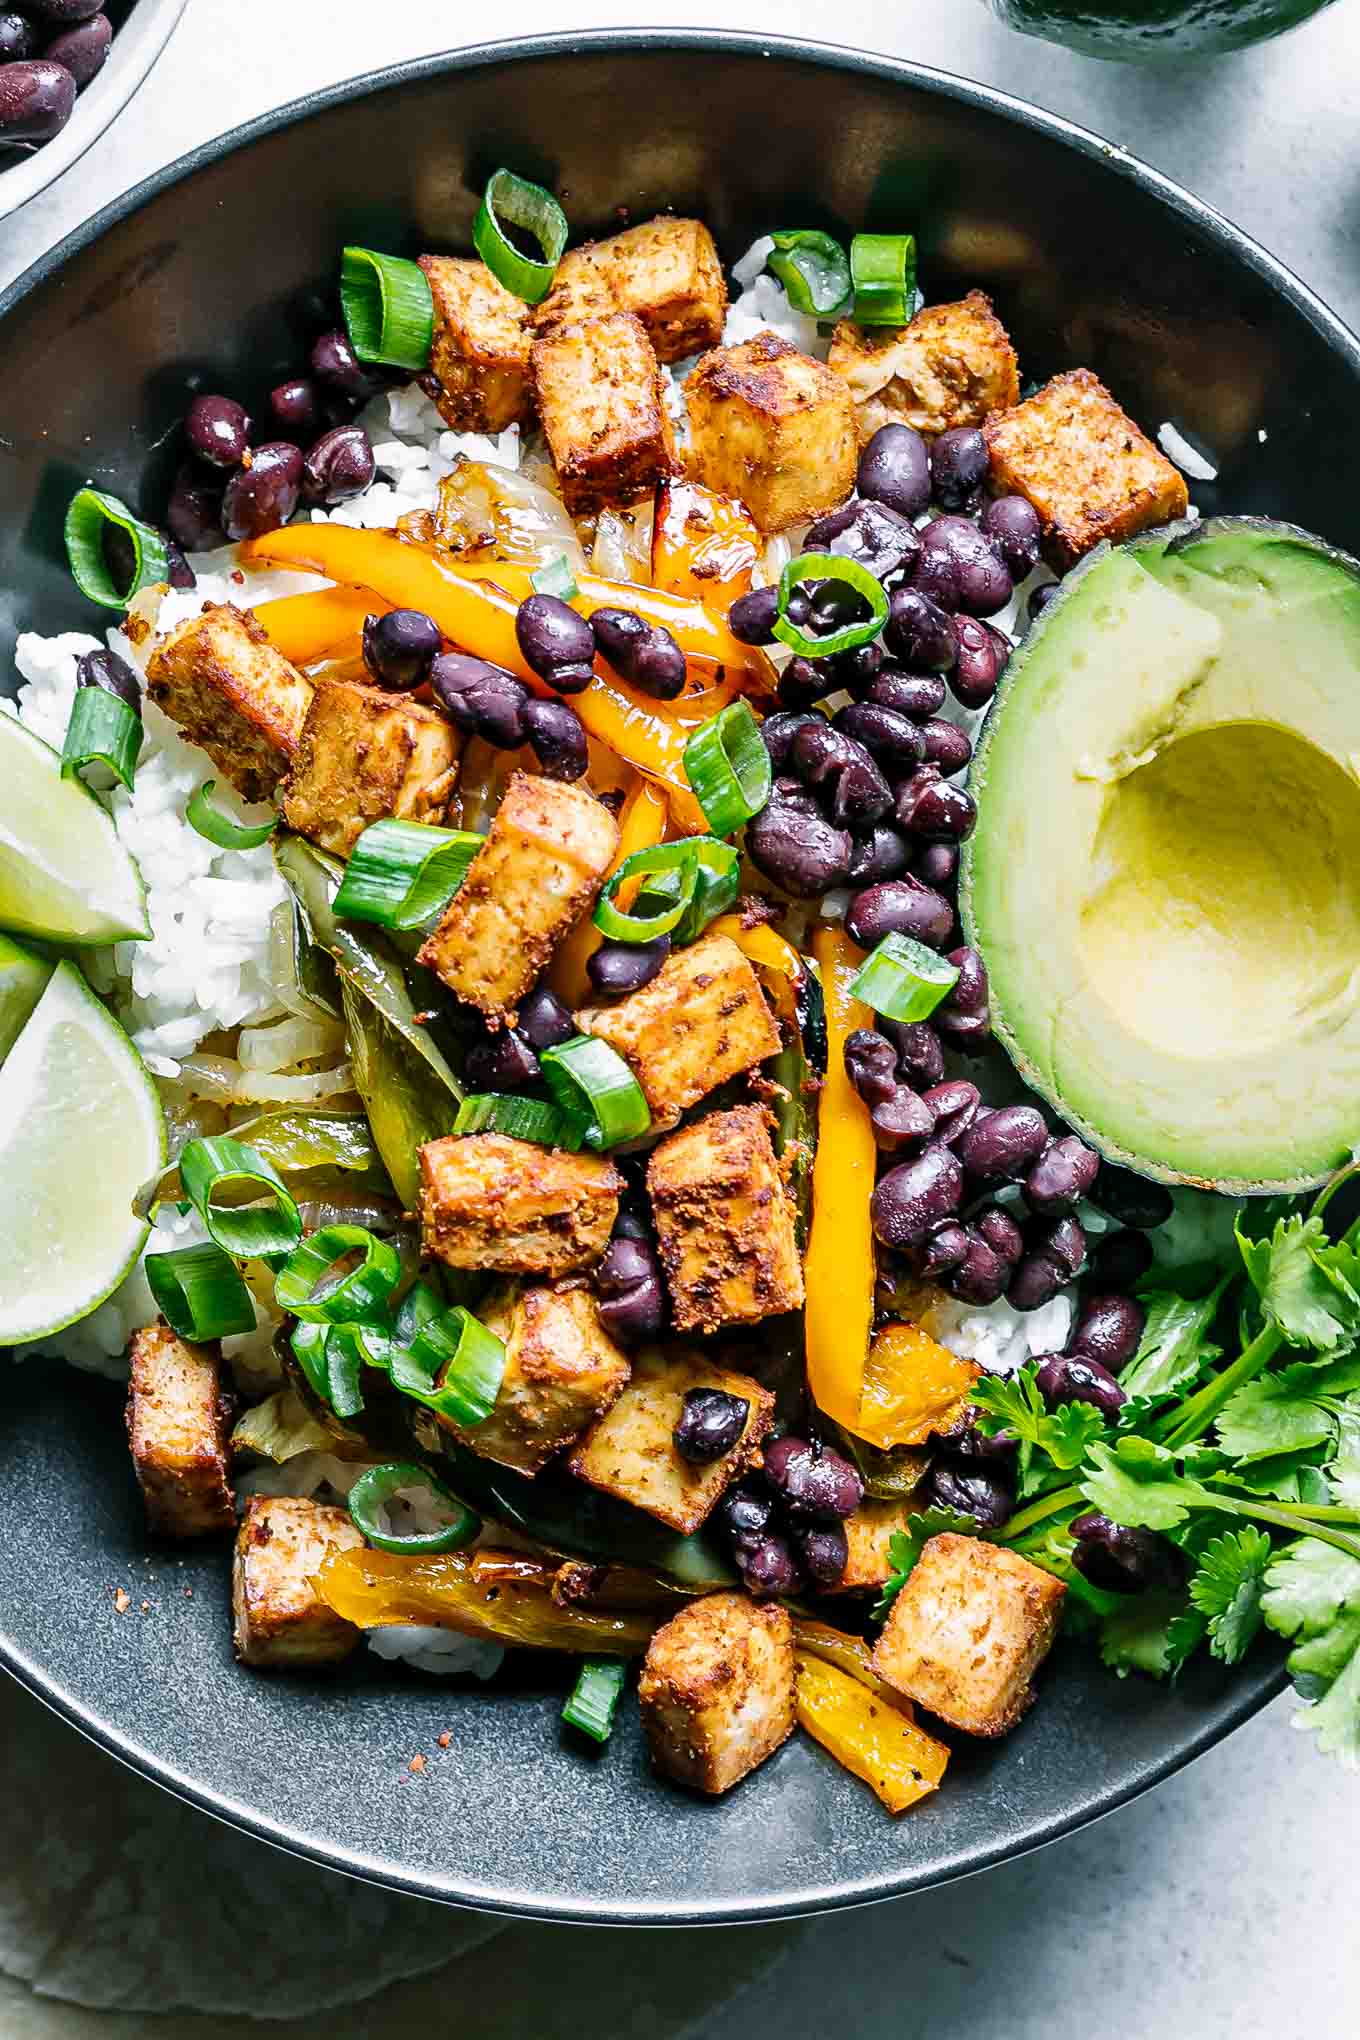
point(1255, 1691)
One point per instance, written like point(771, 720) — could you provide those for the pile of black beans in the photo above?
point(49, 51)
point(868, 796)
point(787, 1523)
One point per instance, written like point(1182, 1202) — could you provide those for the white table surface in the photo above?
point(1219, 1905)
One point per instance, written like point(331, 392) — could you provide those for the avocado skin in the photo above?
point(1252, 551)
point(1154, 31)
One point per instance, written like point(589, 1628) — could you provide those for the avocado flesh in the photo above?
point(1164, 881)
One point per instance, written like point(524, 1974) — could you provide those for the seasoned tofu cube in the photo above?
point(490, 1202)
point(717, 1690)
point(725, 1222)
point(220, 679)
point(968, 1631)
point(1084, 465)
point(179, 1433)
point(701, 1020)
point(365, 755)
point(667, 272)
point(599, 390)
point(582, 288)
point(774, 428)
point(480, 351)
point(868, 1535)
point(562, 1371)
point(952, 365)
point(543, 861)
point(278, 1615)
point(631, 1451)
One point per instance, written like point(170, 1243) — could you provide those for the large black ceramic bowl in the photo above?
point(216, 270)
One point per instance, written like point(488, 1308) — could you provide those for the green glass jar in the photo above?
point(1153, 31)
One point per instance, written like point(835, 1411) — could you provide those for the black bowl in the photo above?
point(213, 275)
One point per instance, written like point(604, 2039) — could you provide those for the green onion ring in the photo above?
point(727, 764)
point(590, 1081)
point(519, 1118)
point(205, 1165)
point(389, 312)
point(359, 1295)
point(555, 577)
point(594, 1699)
point(377, 1486)
point(401, 874)
point(90, 510)
point(309, 1350)
point(215, 827)
point(830, 567)
point(903, 980)
point(883, 270)
point(466, 1363)
point(199, 1292)
point(345, 1357)
point(534, 211)
point(103, 730)
point(814, 271)
point(680, 858)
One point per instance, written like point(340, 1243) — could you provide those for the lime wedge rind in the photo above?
point(64, 874)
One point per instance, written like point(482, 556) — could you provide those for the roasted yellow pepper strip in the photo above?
point(509, 1602)
point(703, 545)
point(642, 823)
point(306, 628)
point(870, 1735)
point(840, 1257)
point(849, 1653)
point(912, 1386)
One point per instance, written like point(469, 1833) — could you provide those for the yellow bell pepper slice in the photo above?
point(642, 823)
point(499, 1595)
point(307, 628)
point(912, 1386)
point(848, 1653)
point(872, 1736)
point(703, 545)
point(840, 1267)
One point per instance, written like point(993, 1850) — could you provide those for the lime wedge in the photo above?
point(80, 1130)
point(23, 980)
point(63, 872)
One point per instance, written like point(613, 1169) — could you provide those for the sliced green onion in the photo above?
point(91, 516)
point(903, 980)
point(376, 1487)
point(717, 883)
point(199, 1292)
point(668, 903)
point(388, 310)
point(592, 1083)
point(345, 1357)
point(309, 1350)
point(813, 269)
point(594, 1698)
point(215, 827)
point(883, 271)
point(829, 567)
point(555, 577)
point(357, 1296)
point(419, 1307)
point(727, 765)
point(533, 1119)
point(401, 874)
point(512, 201)
point(103, 730)
point(205, 1166)
point(465, 1362)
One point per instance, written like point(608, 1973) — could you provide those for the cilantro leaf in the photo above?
point(1149, 1633)
point(1313, 1596)
point(1137, 1483)
point(1175, 1347)
point(1343, 1474)
point(906, 1546)
point(1227, 1588)
point(1309, 1287)
point(1273, 1414)
point(1013, 1403)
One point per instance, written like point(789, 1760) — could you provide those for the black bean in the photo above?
point(964, 1017)
point(82, 49)
point(747, 1509)
point(902, 1122)
point(1124, 1561)
point(105, 670)
point(557, 642)
point(642, 652)
point(910, 1198)
point(194, 513)
point(1063, 1238)
point(543, 1020)
point(890, 737)
point(1004, 1145)
point(824, 1550)
point(955, 1106)
point(857, 669)
point(178, 572)
point(400, 648)
point(263, 496)
point(971, 1492)
point(752, 617)
point(1131, 1199)
point(334, 362)
point(862, 795)
point(767, 1565)
point(816, 1484)
point(879, 853)
point(631, 1294)
point(969, 993)
point(943, 1248)
point(981, 1275)
point(959, 465)
point(1000, 1231)
point(1119, 1259)
point(616, 968)
point(1012, 524)
point(799, 850)
point(339, 465)
point(992, 1449)
point(65, 10)
point(918, 695)
point(937, 865)
point(946, 745)
point(928, 805)
point(711, 1423)
point(1035, 1281)
point(17, 38)
point(920, 1052)
point(818, 752)
point(877, 537)
point(919, 632)
point(501, 1060)
point(899, 906)
point(1041, 598)
point(1061, 1176)
point(984, 583)
point(936, 577)
point(1109, 1329)
point(983, 653)
point(481, 698)
point(894, 468)
point(36, 98)
point(871, 1065)
point(805, 681)
point(557, 738)
point(1071, 1377)
point(778, 732)
point(295, 408)
point(217, 430)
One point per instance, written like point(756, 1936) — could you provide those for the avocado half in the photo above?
point(1164, 880)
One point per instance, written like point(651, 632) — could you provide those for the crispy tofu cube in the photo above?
point(717, 1690)
point(562, 1371)
point(1084, 465)
point(278, 1616)
point(179, 1433)
point(774, 428)
point(365, 755)
point(631, 1451)
point(667, 272)
point(582, 288)
point(952, 365)
point(701, 1020)
point(968, 1631)
point(480, 352)
point(725, 1222)
point(868, 1535)
point(599, 390)
point(490, 1202)
point(220, 679)
point(542, 863)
